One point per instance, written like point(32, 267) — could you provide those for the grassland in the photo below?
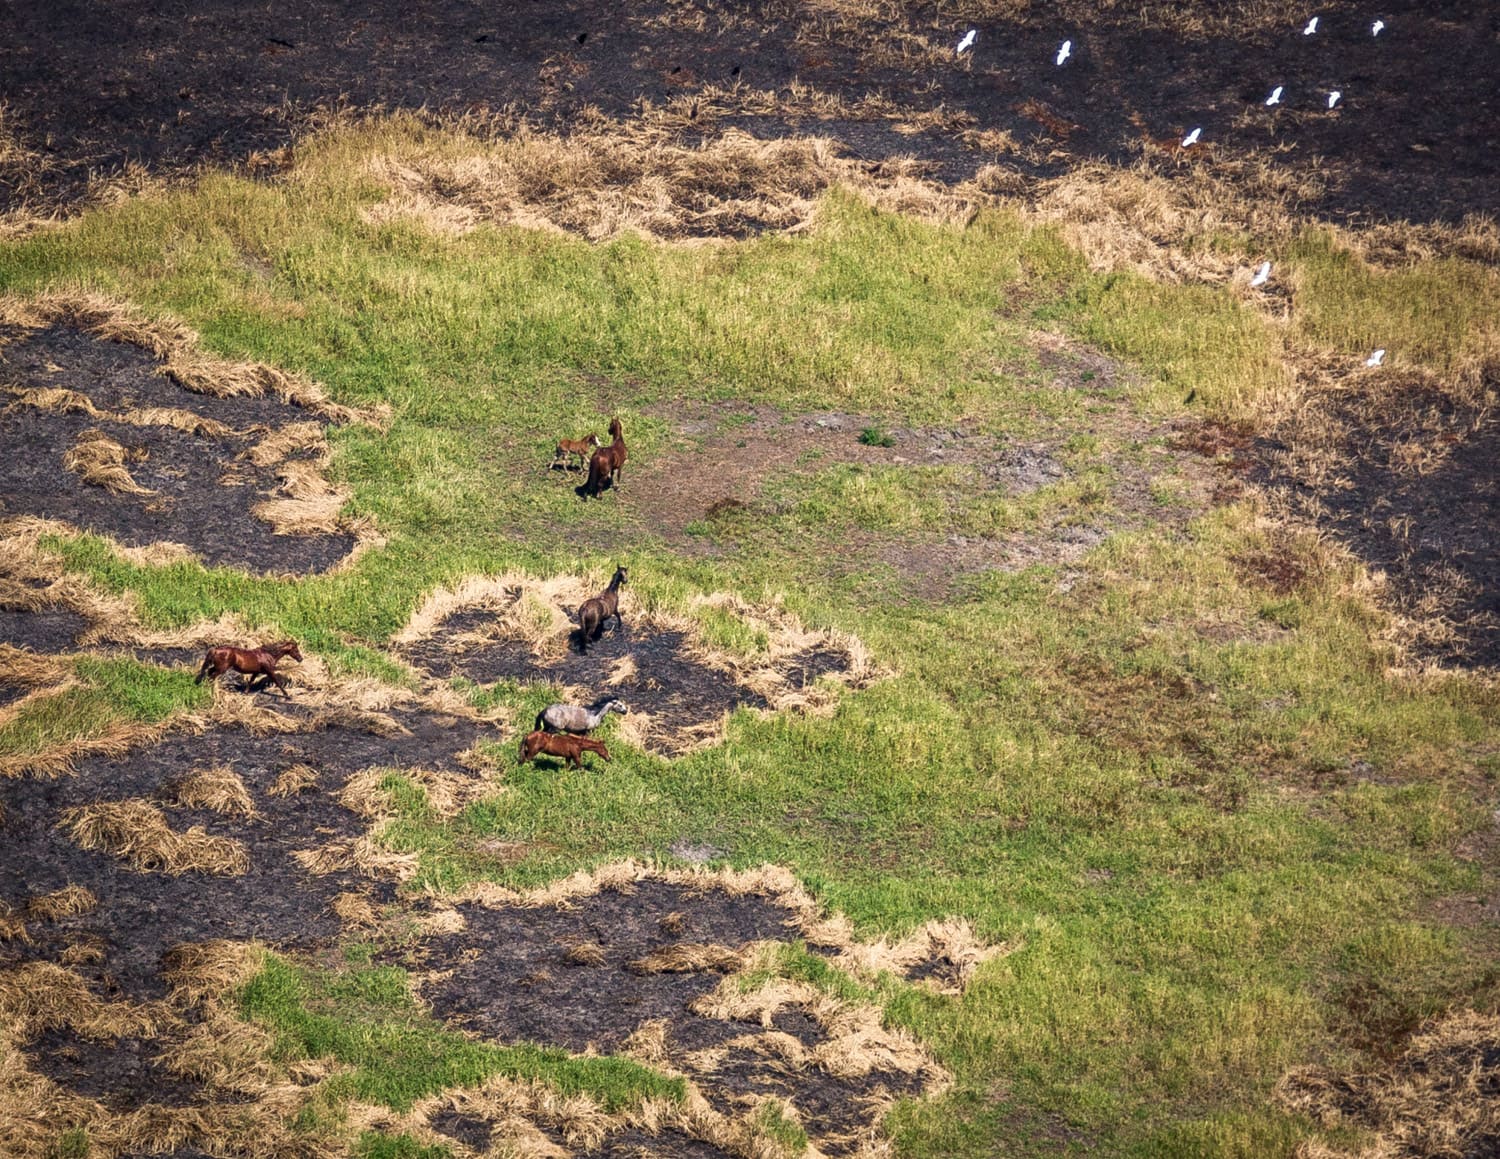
point(1212, 815)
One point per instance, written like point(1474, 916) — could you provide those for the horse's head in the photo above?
point(594, 441)
point(289, 648)
point(616, 706)
point(622, 573)
point(615, 429)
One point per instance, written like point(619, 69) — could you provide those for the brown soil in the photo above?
point(91, 90)
point(202, 487)
point(140, 915)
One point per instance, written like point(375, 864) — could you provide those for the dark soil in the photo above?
point(677, 690)
point(633, 1144)
point(521, 987)
point(511, 980)
point(122, 1074)
point(176, 84)
point(140, 915)
point(192, 506)
point(470, 1130)
point(1435, 535)
point(50, 630)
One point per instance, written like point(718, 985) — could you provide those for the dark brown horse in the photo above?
point(607, 462)
point(579, 447)
point(595, 613)
point(561, 744)
point(252, 662)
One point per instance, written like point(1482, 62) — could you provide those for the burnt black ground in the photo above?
point(123, 1074)
point(177, 83)
point(1452, 513)
point(191, 506)
point(48, 630)
point(521, 986)
point(141, 915)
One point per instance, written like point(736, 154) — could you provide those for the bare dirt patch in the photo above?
point(128, 439)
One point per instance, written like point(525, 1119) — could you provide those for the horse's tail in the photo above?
point(203, 668)
point(588, 619)
point(536, 724)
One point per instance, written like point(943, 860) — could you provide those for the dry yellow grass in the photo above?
point(96, 458)
point(609, 177)
point(137, 832)
point(198, 971)
point(290, 782)
point(217, 788)
point(688, 958)
point(61, 903)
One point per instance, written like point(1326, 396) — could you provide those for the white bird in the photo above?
point(1065, 51)
point(1333, 98)
point(966, 43)
point(1312, 26)
point(1374, 359)
point(1376, 27)
point(1191, 138)
point(1262, 275)
point(1274, 98)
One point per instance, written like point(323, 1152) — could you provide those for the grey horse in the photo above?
point(575, 717)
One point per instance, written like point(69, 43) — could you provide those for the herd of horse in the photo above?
point(560, 729)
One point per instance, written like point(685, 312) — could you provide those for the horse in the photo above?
point(560, 744)
point(252, 662)
point(607, 462)
point(595, 612)
point(579, 447)
point(575, 717)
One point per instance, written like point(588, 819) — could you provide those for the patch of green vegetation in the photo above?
point(376, 1145)
point(787, 1133)
point(877, 436)
point(1140, 774)
point(365, 1018)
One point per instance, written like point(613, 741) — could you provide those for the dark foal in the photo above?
point(607, 462)
point(560, 744)
point(595, 613)
point(252, 662)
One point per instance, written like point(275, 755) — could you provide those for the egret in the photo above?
point(1375, 359)
point(1262, 275)
point(1312, 26)
point(1191, 139)
point(1376, 27)
point(1065, 51)
point(1274, 98)
point(1333, 98)
point(966, 43)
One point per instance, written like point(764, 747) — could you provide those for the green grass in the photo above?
point(1143, 778)
point(366, 1019)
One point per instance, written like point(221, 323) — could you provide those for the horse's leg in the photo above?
point(280, 682)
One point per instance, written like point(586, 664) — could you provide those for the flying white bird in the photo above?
point(1274, 98)
point(1191, 138)
point(1262, 275)
point(1065, 51)
point(1376, 27)
point(1333, 98)
point(1374, 359)
point(966, 43)
point(1312, 26)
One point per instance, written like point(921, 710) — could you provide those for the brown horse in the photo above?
point(608, 462)
point(561, 744)
point(579, 447)
point(595, 612)
point(252, 662)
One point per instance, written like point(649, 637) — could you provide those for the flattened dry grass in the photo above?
point(137, 832)
point(606, 178)
point(218, 788)
point(96, 458)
